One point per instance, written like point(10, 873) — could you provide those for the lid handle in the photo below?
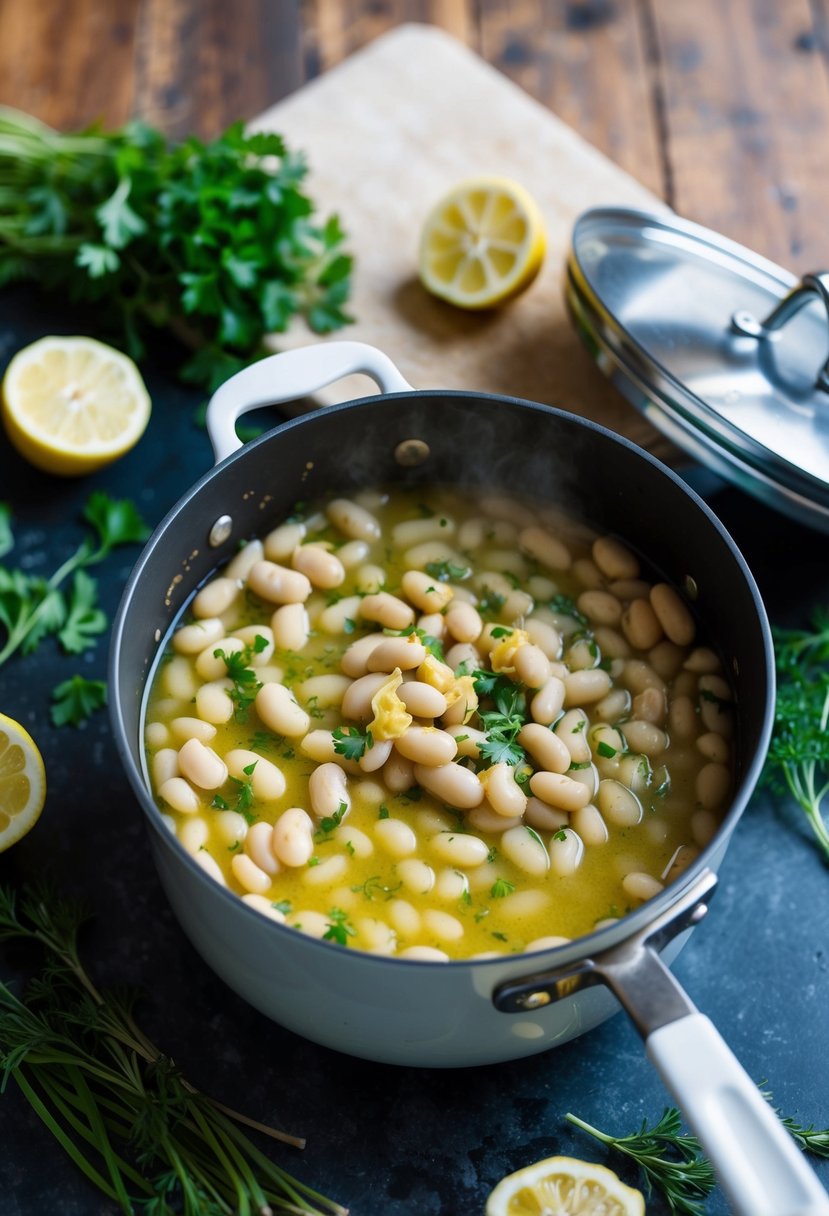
point(747, 325)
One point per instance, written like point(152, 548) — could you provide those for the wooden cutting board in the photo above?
point(387, 133)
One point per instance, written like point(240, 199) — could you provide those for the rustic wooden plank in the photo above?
point(202, 64)
point(71, 66)
point(331, 30)
point(588, 62)
point(747, 115)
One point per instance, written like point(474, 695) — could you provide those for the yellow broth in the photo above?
point(383, 872)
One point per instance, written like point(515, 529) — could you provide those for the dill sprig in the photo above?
point(670, 1159)
point(118, 1106)
point(798, 758)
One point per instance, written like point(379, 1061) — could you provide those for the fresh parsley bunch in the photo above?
point(215, 241)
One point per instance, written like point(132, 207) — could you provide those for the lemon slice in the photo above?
point(482, 244)
point(22, 782)
point(72, 405)
point(564, 1186)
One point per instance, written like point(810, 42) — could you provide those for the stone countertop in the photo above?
point(385, 1141)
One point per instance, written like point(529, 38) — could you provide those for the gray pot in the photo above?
point(473, 1012)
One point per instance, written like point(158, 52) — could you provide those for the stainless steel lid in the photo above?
point(723, 351)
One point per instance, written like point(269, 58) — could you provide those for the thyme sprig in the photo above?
point(117, 1105)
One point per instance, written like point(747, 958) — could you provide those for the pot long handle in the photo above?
point(759, 1165)
point(292, 374)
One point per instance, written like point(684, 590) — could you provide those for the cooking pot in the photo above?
point(477, 1011)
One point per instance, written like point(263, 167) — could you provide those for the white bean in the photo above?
point(323, 692)
point(210, 866)
point(713, 785)
point(531, 665)
point(180, 795)
point(193, 728)
point(452, 784)
point(559, 790)
point(427, 745)
point(193, 833)
point(545, 818)
point(641, 625)
point(353, 520)
point(422, 700)
point(211, 663)
point(164, 765)
point(585, 687)
point(353, 840)
point(214, 703)
point(321, 568)
point(194, 638)
point(277, 584)
point(566, 852)
point(263, 906)
point(178, 680)
point(355, 660)
point(459, 848)
point(353, 553)
point(672, 614)
point(357, 698)
point(644, 737)
point(334, 619)
point(525, 849)
point(406, 653)
point(156, 734)
point(483, 819)
point(239, 566)
point(201, 765)
point(544, 548)
point(328, 792)
point(587, 822)
point(614, 559)
point(293, 842)
point(319, 745)
point(547, 703)
point(230, 827)
point(503, 794)
point(442, 925)
point(426, 593)
point(290, 627)
point(281, 542)
point(395, 836)
point(416, 876)
point(463, 621)
point(572, 731)
point(641, 886)
point(259, 847)
point(618, 804)
point(387, 610)
point(278, 709)
point(216, 597)
point(326, 872)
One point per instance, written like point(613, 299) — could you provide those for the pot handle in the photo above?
point(292, 374)
point(760, 1167)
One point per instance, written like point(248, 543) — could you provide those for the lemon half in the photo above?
point(22, 782)
point(564, 1186)
point(72, 405)
point(482, 244)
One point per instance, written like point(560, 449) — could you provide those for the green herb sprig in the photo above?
point(502, 723)
point(246, 683)
point(798, 758)
point(76, 699)
point(33, 608)
point(117, 1105)
point(215, 241)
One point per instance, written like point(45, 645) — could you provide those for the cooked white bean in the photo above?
point(398, 773)
point(640, 625)
point(645, 737)
point(424, 954)
point(451, 885)
point(353, 840)
point(422, 555)
point(353, 553)
point(666, 659)
point(559, 790)
point(638, 676)
point(375, 756)
point(356, 702)
point(178, 680)
point(156, 734)
point(531, 665)
point(416, 876)
point(465, 655)
point(406, 653)
point(427, 745)
point(309, 922)
point(355, 660)
point(615, 705)
point(387, 610)
point(281, 542)
point(525, 849)
point(442, 925)
point(290, 627)
point(334, 619)
point(422, 700)
point(544, 548)
point(585, 687)
point(192, 728)
point(260, 640)
point(572, 730)
point(426, 593)
point(216, 597)
point(201, 765)
point(683, 722)
point(588, 824)
point(328, 791)
point(353, 520)
point(180, 795)
point(331, 870)
point(292, 840)
point(164, 765)
point(618, 804)
point(322, 692)
point(651, 705)
point(239, 566)
point(463, 621)
point(600, 607)
point(614, 559)
point(566, 852)
point(415, 531)
point(468, 739)
point(714, 747)
point(193, 833)
point(214, 703)
point(321, 568)
point(704, 826)
point(395, 836)
point(211, 664)
point(673, 614)
point(196, 637)
point(702, 660)
point(483, 819)
point(713, 785)
point(210, 866)
point(452, 784)
point(545, 818)
point(259, 847)
point(319, 745)
point(369, 578)
point(267, 781)
point(278, 709)
point(404, 917)
point(547, 703)
point(641, 886)
point(635, 772)
point(278, 584)
point(503, 794)
point(545, 747)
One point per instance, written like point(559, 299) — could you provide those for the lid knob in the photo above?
point(747, 325)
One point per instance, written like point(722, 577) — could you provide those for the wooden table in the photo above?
point(720, 108)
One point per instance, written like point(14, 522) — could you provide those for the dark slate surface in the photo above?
point(385, 1140)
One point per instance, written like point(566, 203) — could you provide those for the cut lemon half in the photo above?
point(22, 782)
point(72, 405)
point(482, 244)
point(564, 1186)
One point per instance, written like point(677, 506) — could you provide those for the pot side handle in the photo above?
point(292, 374)
point(758, 1163)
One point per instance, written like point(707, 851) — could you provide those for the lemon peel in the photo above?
point(567, 1187)
point(22, 782)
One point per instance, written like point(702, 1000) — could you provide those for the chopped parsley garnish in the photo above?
point(491, 603)
point(501, 631)
point(503, 723)
point(245, 682)
point(604, 749)
point(559, 835)
point(283, 906)
point(433, 645)
point(501, 887)
point(446, 570)
point(375, 888)
point(329, 822)
point(565, 605)
point(352, 742)
point(339, 930)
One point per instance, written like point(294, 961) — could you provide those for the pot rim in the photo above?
point(580, 948)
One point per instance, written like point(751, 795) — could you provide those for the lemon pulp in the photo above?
point(22, 782)
point(564, 1186)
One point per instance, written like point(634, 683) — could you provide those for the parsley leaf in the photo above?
point(84, 622)
point(351, 742)
point(76, 699)
point(339, 930)
point(445, 570)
